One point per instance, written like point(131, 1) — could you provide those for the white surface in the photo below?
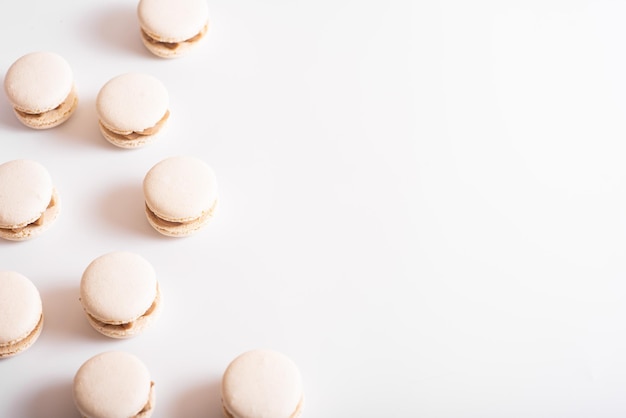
point(423, 204)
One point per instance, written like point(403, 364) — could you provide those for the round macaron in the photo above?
point(133, 109)
point(21, 314)
point(120, 294)
point(40, 86)
point(180, 195)
point(114, 384)
point(170, 28)
point(29, 203)
point(262, 384)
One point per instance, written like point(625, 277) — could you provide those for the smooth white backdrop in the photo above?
point(422, 203)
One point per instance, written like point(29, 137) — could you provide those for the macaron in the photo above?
point(29, 203)
point(171, 28)
point(262, 384)
point(180, 195)
point(133, 109)
point(40, 87)
point(21, 314)
point(120, 294)
point(114, 384)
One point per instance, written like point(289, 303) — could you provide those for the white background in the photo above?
point(423, 204)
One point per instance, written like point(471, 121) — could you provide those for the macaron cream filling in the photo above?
point(15, 346)
point(126, 326)
point(146, 411)
point(168, 223)
point(152, 39)
point(132, 135)
point(45, 215)
point(60, 112)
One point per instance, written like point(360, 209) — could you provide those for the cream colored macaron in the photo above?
point(21, 314)
point(29, 203)
point(120, 294)
point(171, 28)
point(40, 86)
point(262, 384)
point(133, 109)
point(180, 195)
point(114, 384)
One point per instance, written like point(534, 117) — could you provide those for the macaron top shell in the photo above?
point(118, 287)
point(20, 307)
point(173, 20)
point(262, 384)
point(112, 384)
point(132, 102)
point(38, 82)
point(180, 189)
point(25, 192)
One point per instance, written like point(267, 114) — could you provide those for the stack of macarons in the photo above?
point(119, 291)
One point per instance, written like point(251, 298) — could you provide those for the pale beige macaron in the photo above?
point(120, 294)
point(29, 203)
point(262, 384)
point(133, 109)
point(171, 28)
point(114, 384)
point(180, 194)
point(40, 87)
point(21, 314)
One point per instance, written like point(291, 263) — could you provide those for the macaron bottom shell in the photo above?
point(51, 118)
point(36, 228)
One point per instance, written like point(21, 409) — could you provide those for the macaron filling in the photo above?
point(146, 411)
point(60, 112)
point(152, 39)
point(45, 215)
point(120, 327)
point(183, 226)
point(15, 346)
point(134, 135)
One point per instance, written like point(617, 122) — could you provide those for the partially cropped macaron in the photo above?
point(114, 384)
point(29, 203)
point(120, 294)
point(180, 195)
point(21, 314)
point(40, 87)
point(262, 384)
point(171, 28)
point(133, 109)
